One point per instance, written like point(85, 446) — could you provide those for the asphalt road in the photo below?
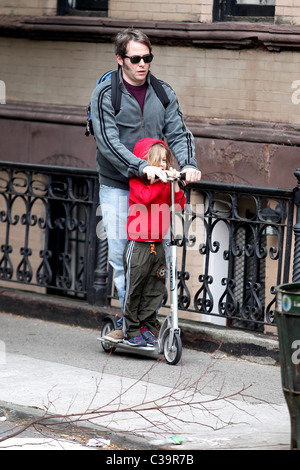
point(215, 374)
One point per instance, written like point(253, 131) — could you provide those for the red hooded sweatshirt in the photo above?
point(149, 204)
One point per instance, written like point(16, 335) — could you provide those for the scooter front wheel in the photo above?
point(107, 328)
point(173, 354)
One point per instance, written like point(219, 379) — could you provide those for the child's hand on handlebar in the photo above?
point(173, 173)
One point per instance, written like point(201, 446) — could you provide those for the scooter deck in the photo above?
point(146, 350)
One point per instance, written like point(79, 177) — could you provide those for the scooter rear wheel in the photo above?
point(173, 355)
point(107, 328)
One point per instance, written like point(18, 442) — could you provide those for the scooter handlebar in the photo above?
point(181, 177)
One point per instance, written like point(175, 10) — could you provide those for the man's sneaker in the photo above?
point(115, 336)
point(148, 336)
point(137, 341)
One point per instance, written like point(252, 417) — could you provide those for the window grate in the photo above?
point(231, 10)
point(82, 7)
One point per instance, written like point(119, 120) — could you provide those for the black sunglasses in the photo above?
point(136, 59)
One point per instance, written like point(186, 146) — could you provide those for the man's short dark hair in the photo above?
point(129, 34)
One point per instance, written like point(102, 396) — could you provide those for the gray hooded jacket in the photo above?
point(116, 135)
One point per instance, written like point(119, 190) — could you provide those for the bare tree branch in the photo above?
point(156, 415)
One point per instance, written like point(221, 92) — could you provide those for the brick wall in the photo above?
point(287, 12)
point(52, 72)
point(218, 83)
point(169, 10)
point(28, 7)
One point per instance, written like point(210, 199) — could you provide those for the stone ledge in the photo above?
point(228, 35)
point(211, 128)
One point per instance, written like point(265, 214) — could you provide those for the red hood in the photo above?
point(142, 146)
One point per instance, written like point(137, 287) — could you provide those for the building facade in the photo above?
point(234, 66)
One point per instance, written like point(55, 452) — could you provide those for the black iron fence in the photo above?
point(47, 228)
point(243, 246)
point(235, 243)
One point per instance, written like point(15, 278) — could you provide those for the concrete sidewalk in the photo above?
point(137, 413)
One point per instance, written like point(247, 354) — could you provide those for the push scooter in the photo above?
point(169, 340)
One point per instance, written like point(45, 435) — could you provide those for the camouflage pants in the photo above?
point(145, 273)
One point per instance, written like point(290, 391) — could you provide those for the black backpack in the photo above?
point(116, 96)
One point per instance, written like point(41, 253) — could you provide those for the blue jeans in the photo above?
point(114, 208)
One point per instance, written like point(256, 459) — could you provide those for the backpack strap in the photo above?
point(116, 93)
point(159, 90)
point(115, 98)
point(115, 90)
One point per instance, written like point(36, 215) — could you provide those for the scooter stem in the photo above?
point(173, 265)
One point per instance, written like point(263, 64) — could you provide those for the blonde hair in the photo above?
point(154, 155)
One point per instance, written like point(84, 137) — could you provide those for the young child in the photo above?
point(144, 255)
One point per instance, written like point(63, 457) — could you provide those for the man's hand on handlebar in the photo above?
point(154, 173)
point(192, 175)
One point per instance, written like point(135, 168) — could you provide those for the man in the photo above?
point(141, 115)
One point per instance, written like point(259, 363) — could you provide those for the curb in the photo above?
point(16, 413)
point(256, 347)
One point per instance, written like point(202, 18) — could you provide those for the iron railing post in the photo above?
point(97, 294)
point(296, 265)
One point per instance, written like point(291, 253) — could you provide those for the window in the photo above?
point(244, 10)
point(82, 7)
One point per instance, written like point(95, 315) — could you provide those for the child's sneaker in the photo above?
point(136, 341)
point(148, 336)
